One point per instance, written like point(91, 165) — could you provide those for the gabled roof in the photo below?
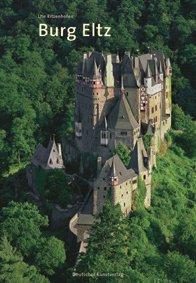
point(121, 171)
point(121, 116)
point(42, 156)
point(138, 157)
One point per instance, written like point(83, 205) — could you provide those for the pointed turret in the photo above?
point(160, 68)
point(113, 174)
point(156, 69)
point(148, 77)
point(96, 72)
point(160, 71)
point(168, 63)
point(148, 71)
point(168, 67)
point(117, 58)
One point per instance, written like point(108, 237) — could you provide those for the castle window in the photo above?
point(122, 195)
point(105, 188)
point(152, 110)
point(134, 181)
point(124, 203)
point(50, 161)
point(98, 188)
point(57, 161)
point(155, 107)
point(103, 196)
point(123, 133)
point(144, 177)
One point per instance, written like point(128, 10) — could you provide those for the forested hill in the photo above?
point(38, 73)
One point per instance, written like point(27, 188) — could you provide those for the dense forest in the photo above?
point(37, 91)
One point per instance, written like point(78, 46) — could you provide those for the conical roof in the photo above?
point(160, 68)
point(168, 64)
point(96, 72)
point(148, 71)
point(113, 169)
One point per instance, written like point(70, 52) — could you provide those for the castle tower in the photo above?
point(98, 91)
point(115, 182)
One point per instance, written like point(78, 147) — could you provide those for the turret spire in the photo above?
point(113, 174)
point(113, 170)
point(148, 72)
point(160, 68)
point(96, 72)
point(168, 64)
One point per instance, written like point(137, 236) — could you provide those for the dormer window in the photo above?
point(104, 138)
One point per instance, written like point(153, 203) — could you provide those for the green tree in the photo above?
point(23, 226)
point(107, 248)
point(179, 268)
point(50, 255)
point(56, 187)
point(147, 140)
point(179, 119)
point(14, 269)
point(124, 153)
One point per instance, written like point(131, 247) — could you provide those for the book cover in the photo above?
point(97, 141)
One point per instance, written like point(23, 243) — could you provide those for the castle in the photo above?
point(119, 101)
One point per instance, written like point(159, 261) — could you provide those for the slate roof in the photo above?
point(139, 157)
point(134, 66)
point(121, 116)
point(39, 158)
point(121, 171)
point(85, 219)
